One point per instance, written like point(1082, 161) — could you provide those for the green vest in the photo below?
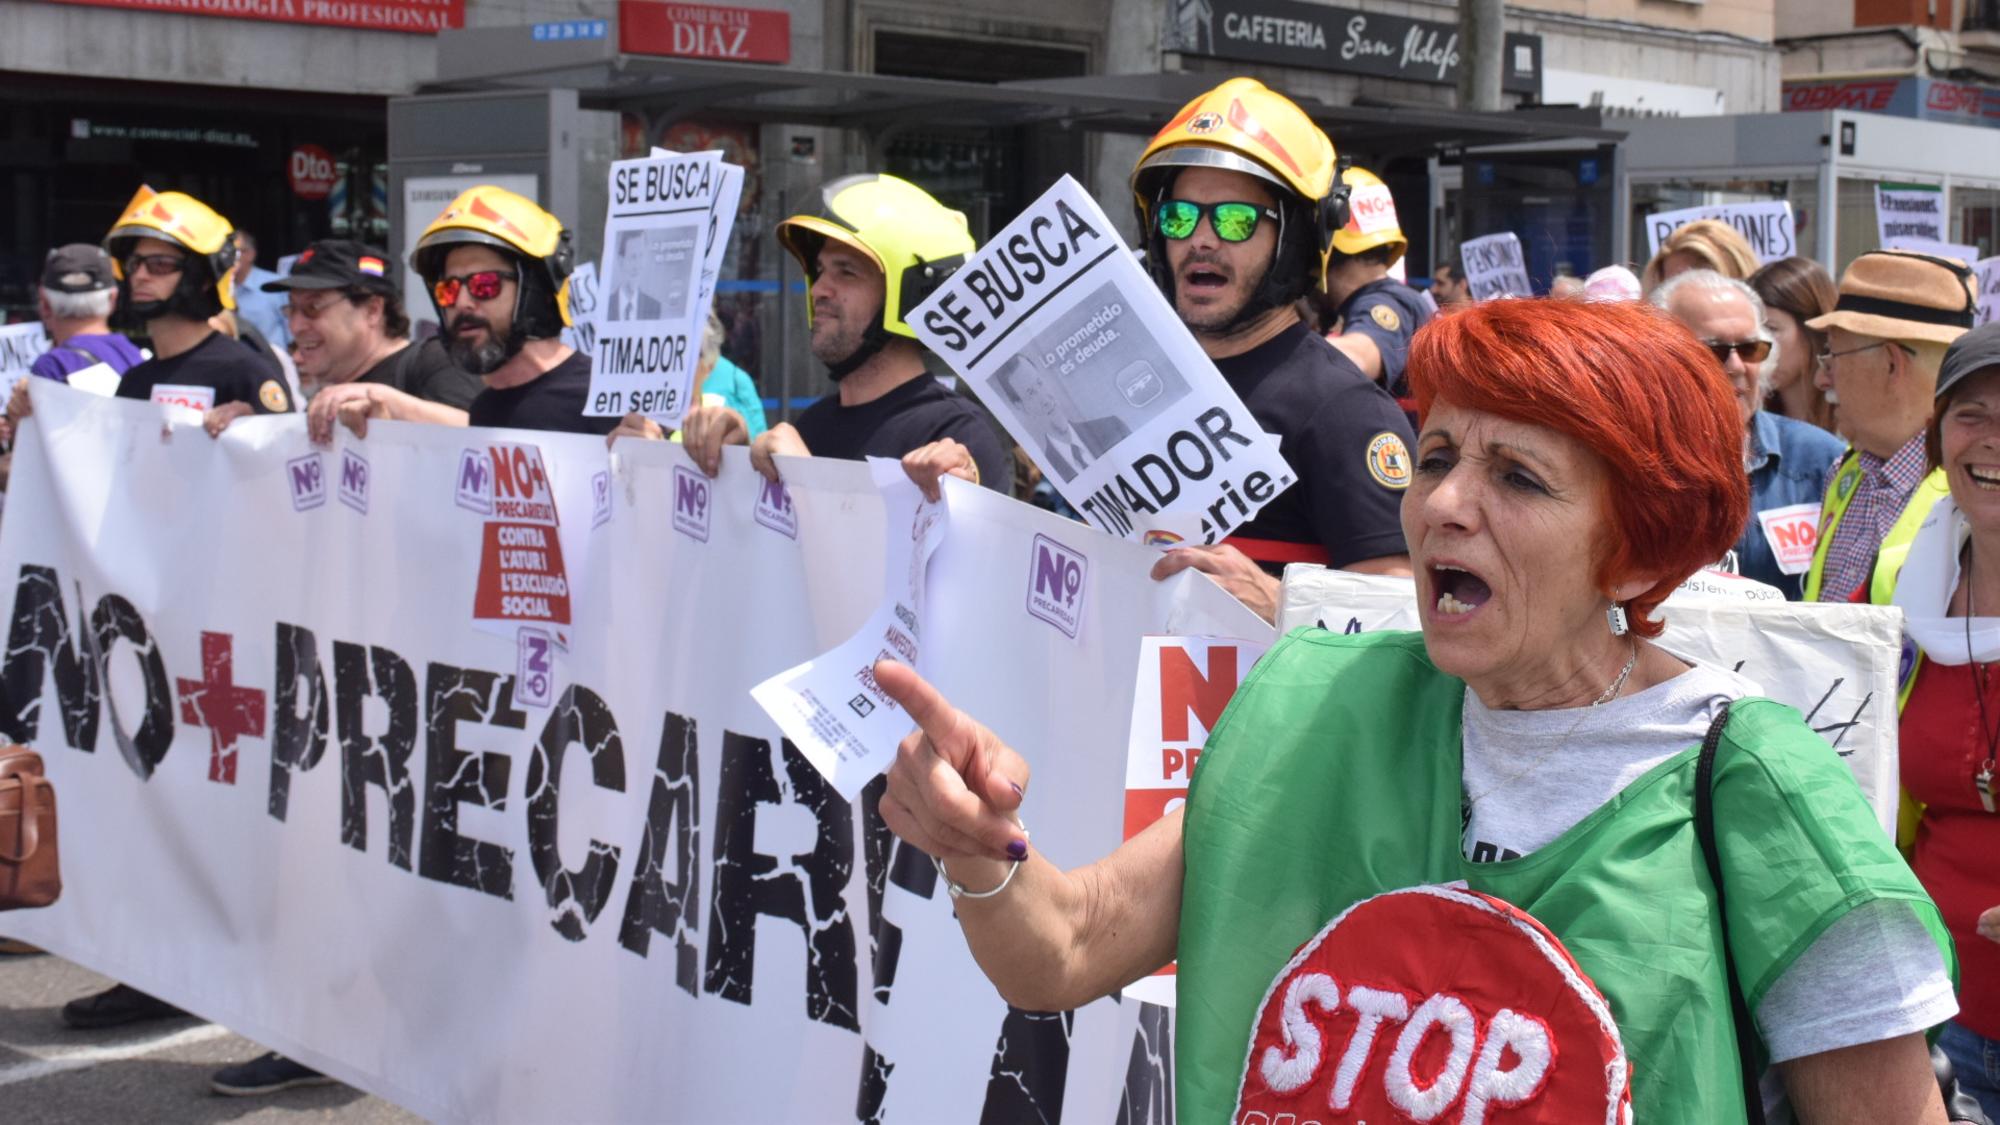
point(1334, 775)
point(1893, 550)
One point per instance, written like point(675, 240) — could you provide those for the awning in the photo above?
point(511, 58)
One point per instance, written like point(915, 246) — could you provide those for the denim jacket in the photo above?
point(1788, 462)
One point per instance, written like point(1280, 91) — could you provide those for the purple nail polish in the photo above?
point(1017, 850)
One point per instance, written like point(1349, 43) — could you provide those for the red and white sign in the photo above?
point(1184, 683)
point(1384, 1016)
point(1371, 208)
point(418, 17)
point(522, 579)
point(176, 394)
point(1793, 533)
point(703, 31)
point(311, 172)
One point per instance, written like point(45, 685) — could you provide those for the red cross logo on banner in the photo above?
point(228, 711)
point(1434, 1004)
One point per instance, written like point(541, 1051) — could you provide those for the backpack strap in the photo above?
point(1704, 827)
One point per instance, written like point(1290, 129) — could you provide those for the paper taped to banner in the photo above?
point(1494, 267)
point(1766, 224)
point(20, 346)
point(1060, 331)
point(1836, 664)
point(317, 812)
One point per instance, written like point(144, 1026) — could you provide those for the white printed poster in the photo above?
point(319, 813)
point(424, 199)
point(582, 331)
point(1064, 336)
point(20, 346)
point(1494, 267)
point(1987, 271)
point(1909, 213)
point(1768, 225)
point(666, 213)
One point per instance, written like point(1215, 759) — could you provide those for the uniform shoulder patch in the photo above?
point(1389, 460)
point(272, 395)
point(1387, 318)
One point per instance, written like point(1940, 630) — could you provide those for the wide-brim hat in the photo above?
point(1903, 295)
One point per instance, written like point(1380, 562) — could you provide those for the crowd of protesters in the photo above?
point(1543, 470)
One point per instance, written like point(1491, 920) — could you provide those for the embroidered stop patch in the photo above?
point(1434, 1004)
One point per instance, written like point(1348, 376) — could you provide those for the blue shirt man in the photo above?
point(265, 311)
point(1788, 462)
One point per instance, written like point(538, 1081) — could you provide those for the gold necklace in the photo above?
point(1609, 693)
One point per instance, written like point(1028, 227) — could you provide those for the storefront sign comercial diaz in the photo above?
point(423, 17)
point(704, 31)
point(1288, 33)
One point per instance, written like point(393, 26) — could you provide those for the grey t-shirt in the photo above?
point(1532, 775)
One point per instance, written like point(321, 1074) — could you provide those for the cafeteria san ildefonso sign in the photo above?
point(1319, 37)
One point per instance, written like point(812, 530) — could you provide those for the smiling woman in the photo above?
point(1530, 746)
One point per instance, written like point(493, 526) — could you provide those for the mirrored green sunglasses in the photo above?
point(1231, 222)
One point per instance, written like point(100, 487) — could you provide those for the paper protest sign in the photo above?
point(665, 213)
point(1793, 532)
point(1766, 224)
point(192, 397)
point(1962, 251)
point(1987, 271)
point(98, 379)
point(582, 331)
point(1060, 331)
point(831, 707)
point(1184, 683)
point(1494, 267)
point(1909, 213)
point(20, 346)
point(1836, 664)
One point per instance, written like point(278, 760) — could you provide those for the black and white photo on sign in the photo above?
point(1086, 382)
point(649, 276)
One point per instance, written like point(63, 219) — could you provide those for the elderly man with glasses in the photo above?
point(1787, 459)
point(1886, 338)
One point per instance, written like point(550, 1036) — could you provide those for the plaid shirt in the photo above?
point(1879, 498)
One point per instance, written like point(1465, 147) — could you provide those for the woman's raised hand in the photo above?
point(955, 787)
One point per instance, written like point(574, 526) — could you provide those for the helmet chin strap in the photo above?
point(872, 341)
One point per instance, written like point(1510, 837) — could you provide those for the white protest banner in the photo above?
point(1987, 270)
point(582, 331)
point(664, 216)
point(1962, 251)
point(1836, 664)
point(1184, 683)
point(830, 706)
point(424, 199)
point(20, 346)
point(1909, 213)
point(1494, 267)
point(1766, 224)
point(1067, 339)
point(319, 812)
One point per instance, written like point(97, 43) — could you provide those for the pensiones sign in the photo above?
point(1288, 33)
point(421, 17)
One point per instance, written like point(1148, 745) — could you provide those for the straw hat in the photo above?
point(1903, 295)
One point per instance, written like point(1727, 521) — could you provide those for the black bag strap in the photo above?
point(1704, 827)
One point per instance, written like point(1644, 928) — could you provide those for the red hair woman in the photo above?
point(1465, 868)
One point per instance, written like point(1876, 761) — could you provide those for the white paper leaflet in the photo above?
point(1836, 664)
point(830, 706)
point(1184, 683)
point(1060, 331)
point(1494, 267)
point(318, 811)
point(667, 214)
point(20, 346)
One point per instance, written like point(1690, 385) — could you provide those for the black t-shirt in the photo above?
point(219, 362)
point(1341, 434)
point(426, 371)
point(1389, 313)
point(909, 417)
point(553, 400)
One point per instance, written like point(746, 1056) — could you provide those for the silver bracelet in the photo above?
point(958, 889)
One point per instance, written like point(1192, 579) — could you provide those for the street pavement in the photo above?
point(155, 1073)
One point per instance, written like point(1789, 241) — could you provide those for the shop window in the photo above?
point(1975, 218)
point(1651, 197)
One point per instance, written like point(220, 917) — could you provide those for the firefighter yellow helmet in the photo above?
point(194, 226)
point(913, 239)
point(1371, 217)
point(514, 225)
point(1243, 126)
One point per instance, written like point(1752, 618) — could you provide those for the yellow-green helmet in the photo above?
point(194, 226)
point(916, 241)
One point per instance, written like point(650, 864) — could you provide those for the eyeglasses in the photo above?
point(1826, 358)
point(159, 265)
point(484, 286)
point(1752, 351)
point(1231, 222)
point(293, 308)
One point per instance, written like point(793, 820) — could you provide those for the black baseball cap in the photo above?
point(339, 263)
point(1968, 355)
point(79, 267)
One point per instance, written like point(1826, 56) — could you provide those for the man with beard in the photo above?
point(1238, 201)
point(176, 260)
point(496, 265)
point(878, 247)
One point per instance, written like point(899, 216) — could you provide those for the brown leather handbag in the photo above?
point(29, 873)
